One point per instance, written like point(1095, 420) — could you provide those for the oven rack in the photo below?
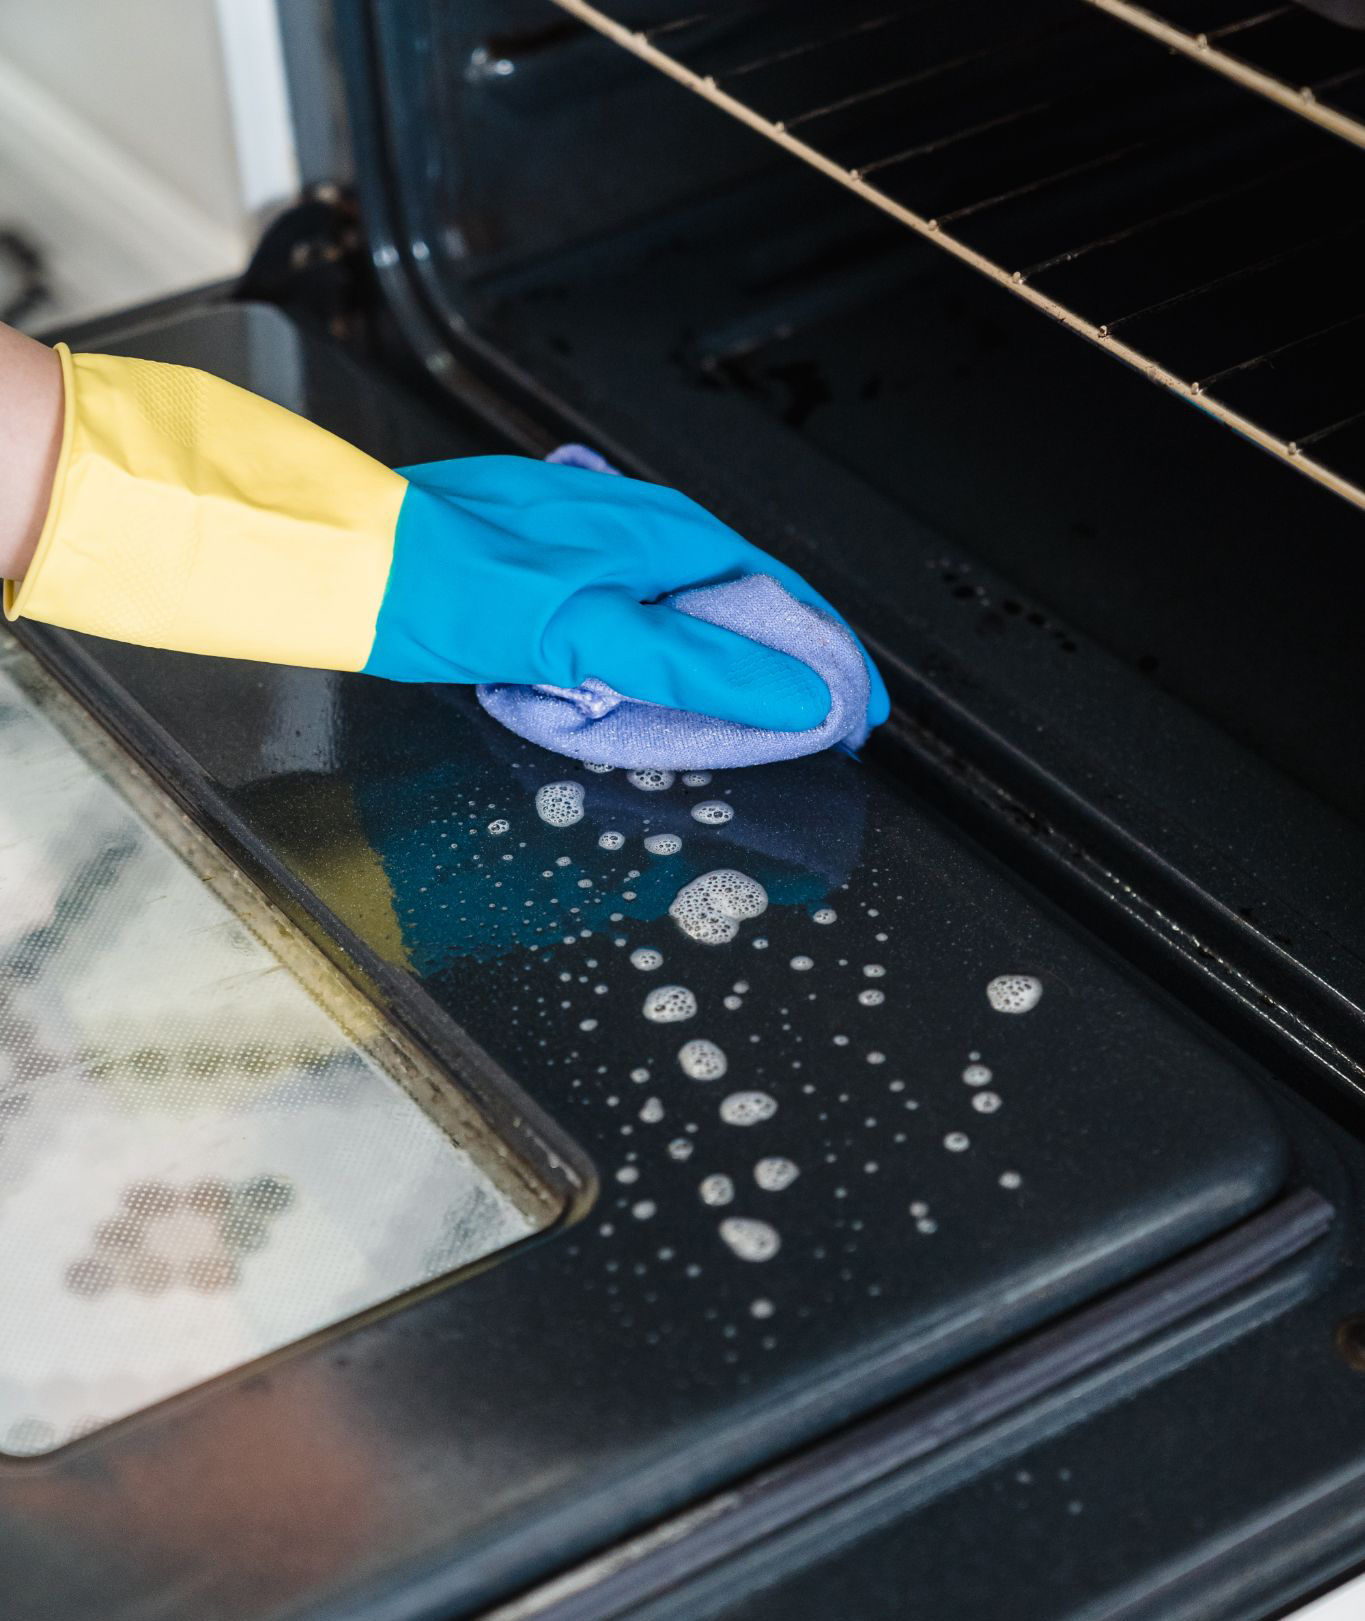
point(1192, 231)
point(1311, 67)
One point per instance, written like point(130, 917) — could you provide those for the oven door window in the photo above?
point(208, 1145)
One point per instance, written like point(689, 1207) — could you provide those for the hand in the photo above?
point(512, 570)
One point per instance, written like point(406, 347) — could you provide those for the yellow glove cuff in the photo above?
point(187, 513)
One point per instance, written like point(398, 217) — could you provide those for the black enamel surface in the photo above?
point(624, 1364)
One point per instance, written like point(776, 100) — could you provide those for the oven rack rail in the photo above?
point(1296, 385)
point(1241, 47)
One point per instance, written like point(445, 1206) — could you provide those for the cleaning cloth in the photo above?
point(595, 722)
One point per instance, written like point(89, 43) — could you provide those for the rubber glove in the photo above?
point(190, 514)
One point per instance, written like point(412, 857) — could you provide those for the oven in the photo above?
point(379, 1241)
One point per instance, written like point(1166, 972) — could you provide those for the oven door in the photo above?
point(375, 1249)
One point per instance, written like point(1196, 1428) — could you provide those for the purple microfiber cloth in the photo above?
point(596, 723)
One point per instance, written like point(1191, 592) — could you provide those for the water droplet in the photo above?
point(652, 1111)
point(1010, 1179)
point(644, 1210)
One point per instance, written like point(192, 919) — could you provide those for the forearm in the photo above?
point(30, 439)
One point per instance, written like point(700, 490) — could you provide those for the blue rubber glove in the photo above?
point(509, 569)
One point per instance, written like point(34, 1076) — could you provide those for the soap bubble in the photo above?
point(696, 779)
point(750, 1240)
point(702, 1060)
point(1014, 993)
point(716, 1189)
point(611, 839)
point(560, 803)
point(711, 907)
point(646, 958)
point(826, 914)
point(976, 1075)
point(669, 1004)
point(650, 780)
point(872, 998)
point(498, 825)
point(714, 812)
point(985, 1102)
point(747, 1108)
point(775, 1173)
point(663, 844)
point(801, 964)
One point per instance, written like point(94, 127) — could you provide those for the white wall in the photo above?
point(141, 141)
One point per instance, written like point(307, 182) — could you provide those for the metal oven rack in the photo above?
point(1188, 228)
point(1280, 52)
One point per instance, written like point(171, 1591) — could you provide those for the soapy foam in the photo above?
point(825, 914)
point(747, 1108)
point(645, 958)
point(871, 998)
point(702, 1060)
point(611, 839)
point(711, 907)
point(650, 780)
point(663, 844)
point(749, 1239)
point(716, 1189)
point(498, 825)
point(560, 803)
point(696, 779)
point(1014, 993)
point(670, 1004)
point(775, 1173)
point(714, 812)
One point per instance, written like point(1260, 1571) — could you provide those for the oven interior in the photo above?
point(697, 292)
